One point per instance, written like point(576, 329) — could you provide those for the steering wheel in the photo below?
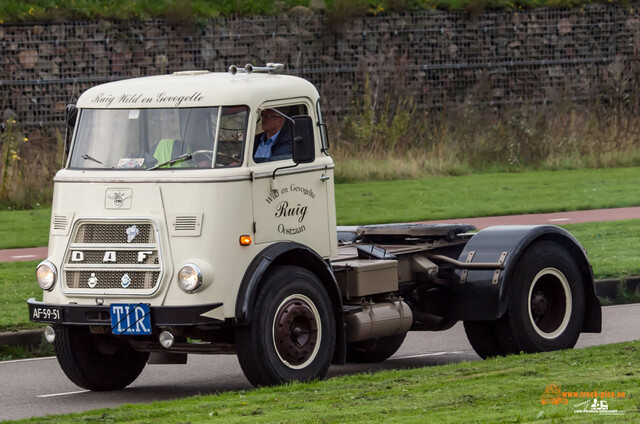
point(207, 156)
point(202, 155)
point(226, 156)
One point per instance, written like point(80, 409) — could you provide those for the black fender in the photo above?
point(291, 253)
point(479, 298)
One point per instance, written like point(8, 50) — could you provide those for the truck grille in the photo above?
point(113, 258)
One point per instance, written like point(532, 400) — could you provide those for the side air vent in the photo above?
point(187, 225)
point(60, 224)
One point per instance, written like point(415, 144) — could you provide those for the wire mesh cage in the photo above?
point(438, 59)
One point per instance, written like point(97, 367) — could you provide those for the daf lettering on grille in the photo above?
point(142, 256)
point(111, 256)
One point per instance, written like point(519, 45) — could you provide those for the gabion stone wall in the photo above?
point(437, 58)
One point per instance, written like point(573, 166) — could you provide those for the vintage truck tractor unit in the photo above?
point(170, 236)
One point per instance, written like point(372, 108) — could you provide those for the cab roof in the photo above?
point(196, 89)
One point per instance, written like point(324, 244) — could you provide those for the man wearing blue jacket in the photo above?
point(274, 143)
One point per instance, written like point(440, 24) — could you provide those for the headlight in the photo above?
point(46, 275)
point(190, 278)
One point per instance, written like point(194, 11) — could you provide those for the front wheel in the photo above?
point(96, 361)
point(292, 335)
point(546, 303)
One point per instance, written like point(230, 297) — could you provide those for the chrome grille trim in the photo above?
point(99, 254)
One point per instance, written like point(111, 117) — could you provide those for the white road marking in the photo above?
point(422, 355)
point(24, 256)
point(13, 361)
point(64, 394)
point(559, 219)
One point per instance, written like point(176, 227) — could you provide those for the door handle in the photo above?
point(324, 177)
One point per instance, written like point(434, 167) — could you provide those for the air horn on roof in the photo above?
point(271, 68)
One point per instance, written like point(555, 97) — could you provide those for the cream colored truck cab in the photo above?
point(168, 238)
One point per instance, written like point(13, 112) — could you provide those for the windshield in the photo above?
point(150, 139)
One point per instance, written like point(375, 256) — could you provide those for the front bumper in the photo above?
point(161, 316)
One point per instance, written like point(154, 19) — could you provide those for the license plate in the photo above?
point(46, 314)
point(130, 319)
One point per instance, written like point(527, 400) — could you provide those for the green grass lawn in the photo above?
point(496, 390)
point(27, 228)
point(17, 284)
point(613, 247)
point(429, 198)
point(486, 195)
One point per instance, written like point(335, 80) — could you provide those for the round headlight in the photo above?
point(190, 278)
point(46, 275)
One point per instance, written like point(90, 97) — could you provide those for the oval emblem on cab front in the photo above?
point(118, 198)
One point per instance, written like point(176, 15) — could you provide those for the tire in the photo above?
point(546, 305)
point(95, 361)
point(293, 332)
point(483, 338)
point(374, 350)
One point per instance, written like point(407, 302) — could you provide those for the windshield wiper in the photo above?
point(87, 157)
point(180, 158)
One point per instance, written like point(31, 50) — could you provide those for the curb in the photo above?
point(21, 338)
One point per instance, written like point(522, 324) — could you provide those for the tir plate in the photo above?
point(130, 319)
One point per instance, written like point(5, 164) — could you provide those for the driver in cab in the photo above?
point(274, 143)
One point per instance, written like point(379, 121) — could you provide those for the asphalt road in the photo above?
point(38, 387)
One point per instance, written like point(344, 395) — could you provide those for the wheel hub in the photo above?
point(550, 303)
point(295, 331)
point(539, 303)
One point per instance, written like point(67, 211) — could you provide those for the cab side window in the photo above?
point(274, 133)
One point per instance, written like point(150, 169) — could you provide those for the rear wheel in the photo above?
point(374, 350)
point(292, 335)
point(96, 361)
point(546, 303)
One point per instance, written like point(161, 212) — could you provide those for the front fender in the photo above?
point(291, 253)
point(479, 297)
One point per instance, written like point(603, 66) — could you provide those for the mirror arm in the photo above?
point(273, 177)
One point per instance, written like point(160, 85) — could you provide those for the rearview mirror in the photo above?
point(70, 116)
point(303, 147)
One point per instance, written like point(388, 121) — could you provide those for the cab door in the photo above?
point(293, 204)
